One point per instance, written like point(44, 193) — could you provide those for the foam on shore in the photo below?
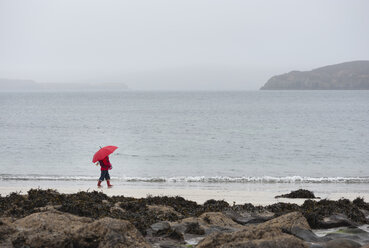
point(192, 179)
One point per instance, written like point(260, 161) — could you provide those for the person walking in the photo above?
point(105, 167)
point(102, 157)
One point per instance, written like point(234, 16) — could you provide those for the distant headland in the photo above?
point(30, 85)
point(345, 76)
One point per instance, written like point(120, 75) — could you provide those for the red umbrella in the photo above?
point(103, 152)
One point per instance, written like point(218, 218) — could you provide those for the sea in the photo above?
point(244, 140)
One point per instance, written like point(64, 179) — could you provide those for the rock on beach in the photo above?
point(57, 229)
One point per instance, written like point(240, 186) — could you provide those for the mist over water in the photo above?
point(188, 137)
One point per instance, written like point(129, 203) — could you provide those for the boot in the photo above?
point(109, 185)
point(99, 184)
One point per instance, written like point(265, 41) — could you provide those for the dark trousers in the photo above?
point(104, 174)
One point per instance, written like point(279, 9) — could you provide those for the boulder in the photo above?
point(273, 233)
point(57, 229)
point(47, 229)
point(287, 222)
point(108, 232)
point(254, 237)
point(246, 217)
point(207, 223)
point(293, 223)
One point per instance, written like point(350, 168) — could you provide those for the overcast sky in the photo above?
point(178, 45)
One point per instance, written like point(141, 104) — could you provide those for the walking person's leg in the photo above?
point(107, 177)
point(102, 176)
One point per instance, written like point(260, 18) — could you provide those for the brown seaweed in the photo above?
point(301, 193)
point(97, 205)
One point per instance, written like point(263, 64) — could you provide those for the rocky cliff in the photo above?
point(345, 76)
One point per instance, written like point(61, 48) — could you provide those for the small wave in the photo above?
point(45, 178)
point(193, 179)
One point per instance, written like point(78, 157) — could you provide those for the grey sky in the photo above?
point(178, 45)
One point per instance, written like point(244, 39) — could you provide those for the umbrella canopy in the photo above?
point(103, 152)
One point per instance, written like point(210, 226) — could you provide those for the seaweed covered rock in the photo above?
point(108, 232)
point(281, 208)
point(329, 214)
point(45, 197)
point(215, 206)
point(325, 213)
point(301, 193)
point(185, 217)
point(57, 229)
point(147, 211)
point(47, 229)
point(360, 203)
point(17, 205)
point(273, 233)
point(179, 204)
point(140, 212)
point(253, 237)
point(82, 203)
point(142, 215)
point(89, 204)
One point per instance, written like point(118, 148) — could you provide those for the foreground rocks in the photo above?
point(57, 229)
point(46, 218)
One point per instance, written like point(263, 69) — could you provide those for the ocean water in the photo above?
point(181, 139)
